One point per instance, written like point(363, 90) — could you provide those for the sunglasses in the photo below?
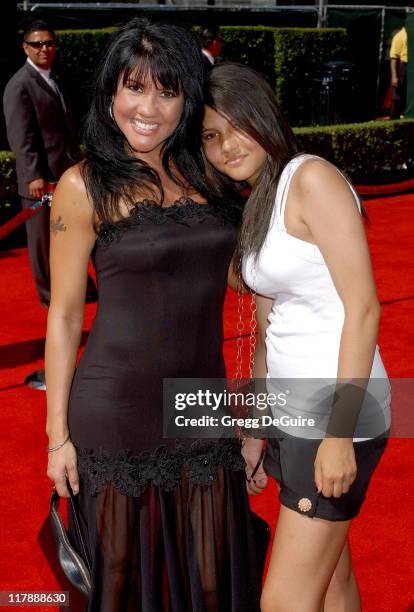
point(38, 44)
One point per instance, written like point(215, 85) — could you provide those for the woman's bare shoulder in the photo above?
point(72, 180)
point(71, 189)
point(317, 174)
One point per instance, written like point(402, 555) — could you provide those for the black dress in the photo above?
point(167, 523)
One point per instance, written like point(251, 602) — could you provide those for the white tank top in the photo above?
point(307, 315)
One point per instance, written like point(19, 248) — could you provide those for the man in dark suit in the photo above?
point(210, 42)
point(41, 132)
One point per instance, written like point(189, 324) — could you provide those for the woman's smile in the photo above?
point(146, 114)
point(144, 127)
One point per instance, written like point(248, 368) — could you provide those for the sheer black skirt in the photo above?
point(189, 549)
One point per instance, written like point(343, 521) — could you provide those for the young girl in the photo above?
point(302, 250)
point(167, 526)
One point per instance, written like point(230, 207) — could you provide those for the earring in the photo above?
point(111, 114)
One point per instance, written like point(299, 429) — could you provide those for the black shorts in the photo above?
point(291, 461)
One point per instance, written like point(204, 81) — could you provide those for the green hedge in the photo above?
point(290, 58)
point(8, 181)
point(83, 50)
point(9, 200)
point(80, 53)
point(254, 46)
point(362, 149)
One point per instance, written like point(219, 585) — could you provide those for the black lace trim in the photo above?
point(130, 473)
point(149, 212)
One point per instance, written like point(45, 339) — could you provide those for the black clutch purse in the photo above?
point(75, 565)
point(64, 555)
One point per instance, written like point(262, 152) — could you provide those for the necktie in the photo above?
point(53, 84)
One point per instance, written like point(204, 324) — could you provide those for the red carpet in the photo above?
point(382, 536)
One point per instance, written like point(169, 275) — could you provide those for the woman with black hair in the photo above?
point(302, 250)
point(167, 525)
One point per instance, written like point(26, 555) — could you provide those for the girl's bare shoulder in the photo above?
point(316, 174)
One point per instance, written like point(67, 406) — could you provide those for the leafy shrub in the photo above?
point(290, 58)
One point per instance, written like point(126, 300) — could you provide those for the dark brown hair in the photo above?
point(244, 97)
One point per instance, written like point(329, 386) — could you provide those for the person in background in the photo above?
point(210, 41)
point(42, 134)
point(398, 65)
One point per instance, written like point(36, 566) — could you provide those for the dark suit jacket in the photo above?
point(41, 135)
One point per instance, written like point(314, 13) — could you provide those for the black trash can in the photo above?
point(335, 98)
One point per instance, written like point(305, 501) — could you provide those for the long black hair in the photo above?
point(169, 56)
point(244, 97)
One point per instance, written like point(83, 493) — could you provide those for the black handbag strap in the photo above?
point(258, 464)
point(54, 502)
point(75, 514)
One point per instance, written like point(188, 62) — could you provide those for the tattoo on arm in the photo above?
point(57, 226)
